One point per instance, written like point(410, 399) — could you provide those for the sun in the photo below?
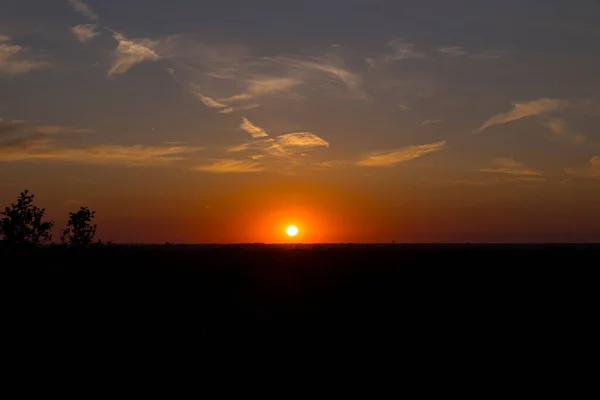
point(291, 230)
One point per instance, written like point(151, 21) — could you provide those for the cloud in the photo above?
point(84, 9)
point(301, 139)
point(254, 130)
point(232, 77)
point(490, 55)
point(54, 129)
point(223, 108)
point(454, 51)
point(332, 67)
point(524, 110)
point(392, 157)
point(401, 50)
point(231, 166)
point(4, 38)
point(36, 149)
point(130, 53)
point(509, 166)
point(16, 60)
point(561, 130)
point(38, 143)
point(282, 147)
point(404, 107)
point(591, 171)
point(21, 127)
point(210, 102)
point(263, 86)
point(84, 33)
point(230, 110)
point(432, 121)
point(9, 126)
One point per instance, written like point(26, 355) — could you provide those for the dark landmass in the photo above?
point(421, 294)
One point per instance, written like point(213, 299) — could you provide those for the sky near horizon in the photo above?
point(357, 121)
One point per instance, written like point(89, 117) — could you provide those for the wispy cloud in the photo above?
point(324, 71)
point(212, 103)
point(262, 87)
point(490, 55)
point(39, 143)
point(231, 166)
point(246, 107)
point(561, 130)
point(504, 165)
point(591, 171)
point(16, 60)
point(281, 147)
point(9, 126)
point(396, 156)
point(232, 77)
point(84, 33)
point(400, 50)
point(84, 9)
point(22, 128)
point(254, 130)
point(137, 155)
point(432, 121)
point(55, 129)
point(404, 107)
point(301, 139)
point(452, 51)
point(130, 53)
point(524, 110)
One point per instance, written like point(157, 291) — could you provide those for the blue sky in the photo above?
point(497, 96)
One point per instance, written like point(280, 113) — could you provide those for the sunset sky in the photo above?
point(356, 120)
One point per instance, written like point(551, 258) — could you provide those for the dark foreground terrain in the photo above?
point(442, 295)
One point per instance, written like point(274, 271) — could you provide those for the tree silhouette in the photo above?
point(80, 232)
point(22, 224)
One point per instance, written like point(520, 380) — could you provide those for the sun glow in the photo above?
point(291, 230)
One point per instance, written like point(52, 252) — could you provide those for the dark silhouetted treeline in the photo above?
point(420, 297)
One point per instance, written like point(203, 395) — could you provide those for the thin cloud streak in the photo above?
point(230, 110)
point(561, 130)
point(85, 33)
point(137, 155)
point(84, 9)
point(225, 166)
point(254, 130)
point(212, 103)
point(524, 110)
point(38, 143)
point(263, 86)
point(432, 121)
point(490, 55)
point(453, 51)
point(16, 60)
point(393, 157)
point(55, 129)
point(401, 50)
point(504, 165)
point(591, 171)
point(301, 139)
point(130, 53)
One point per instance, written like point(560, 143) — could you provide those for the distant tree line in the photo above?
point(22, 225)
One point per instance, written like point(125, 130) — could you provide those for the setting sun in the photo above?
point(291, 230)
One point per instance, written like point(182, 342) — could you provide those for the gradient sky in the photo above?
point(359, 121)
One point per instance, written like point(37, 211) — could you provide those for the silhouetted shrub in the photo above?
point(80, 231)
point(22, 223)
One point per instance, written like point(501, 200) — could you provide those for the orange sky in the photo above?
point(413, 120)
